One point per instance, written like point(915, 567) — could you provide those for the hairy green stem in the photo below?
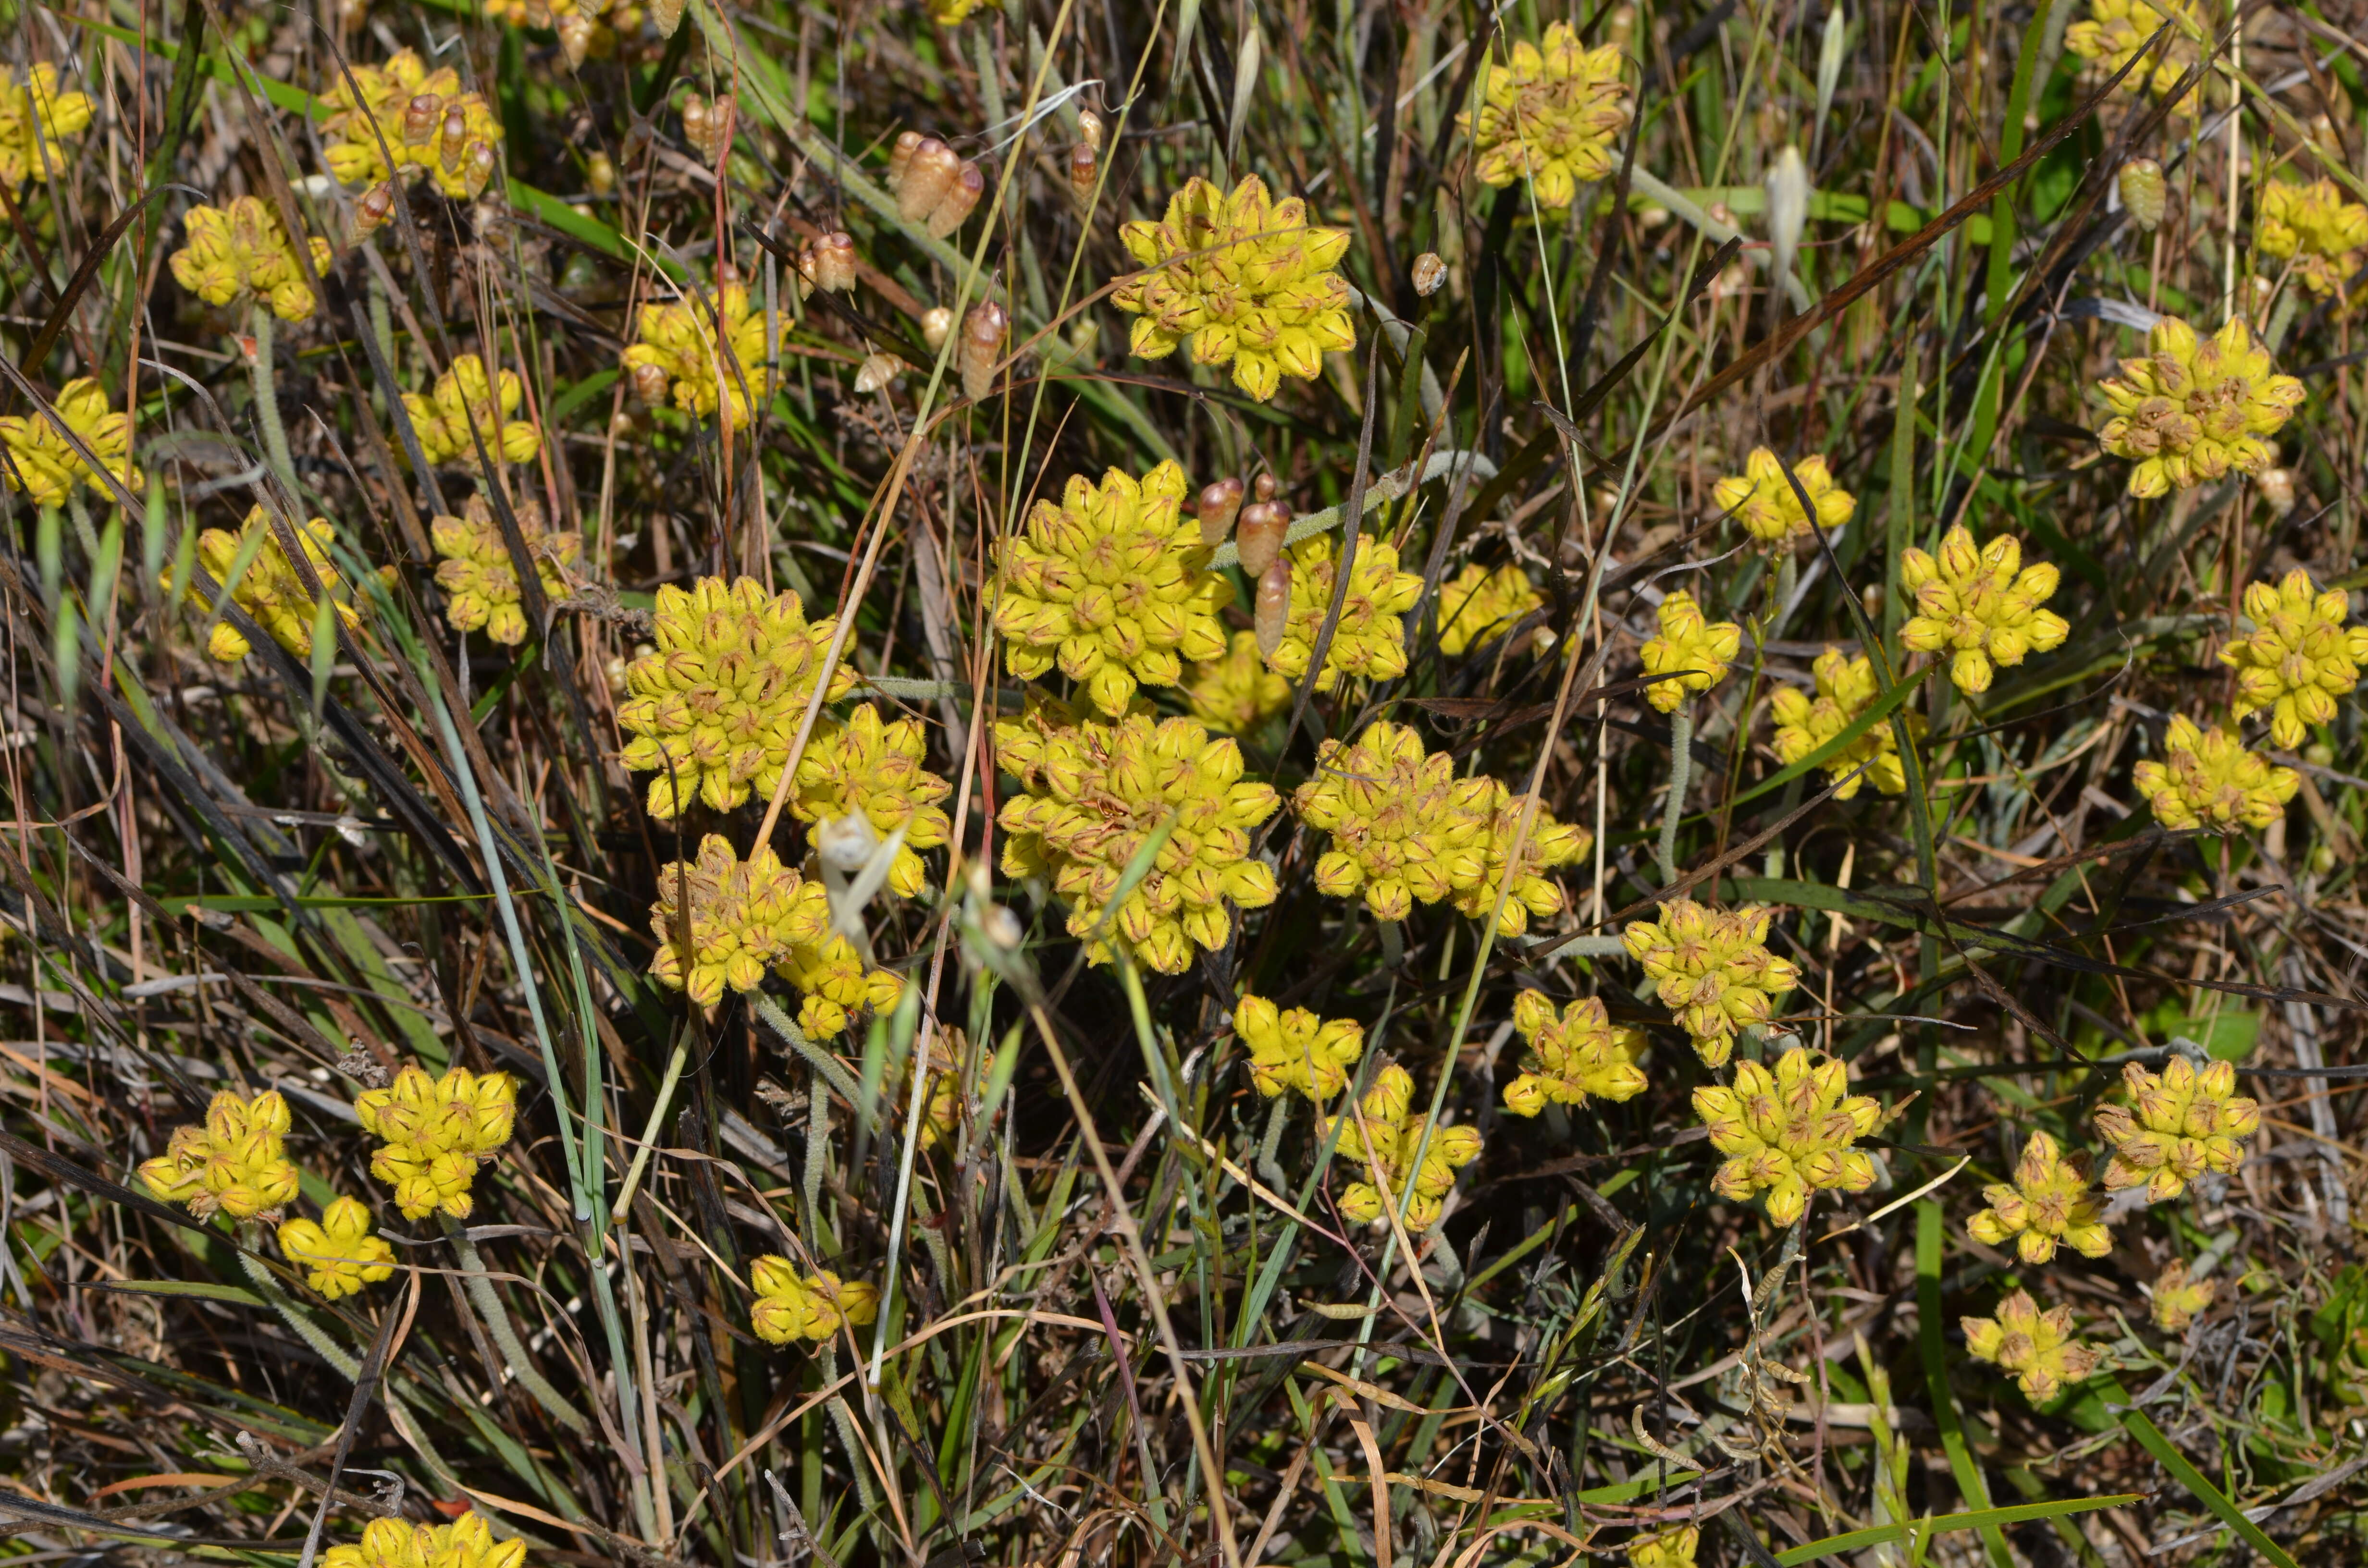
point(823, 1062)
point(497, 1321)
point(817, 1155)
point(297, 1318)
point(267, 402)
point(1278, 1117)
point(1682, 741)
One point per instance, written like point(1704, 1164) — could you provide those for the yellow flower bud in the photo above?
point(1713, 971)
point(1692, 649)
point(241, 251)
point(1572, 1057)
point(1383, 1135)
point(2193, 410)
point(44, 465)
point(1788, 1132)
point(1549, 114)
point(482, 580)
point(869, 767)
point(1981, 607)
point(2298, 657)
point(1292, 1049)
point(2037, 1347)
point(1369, 639)
point(1763, 501)
point(1845, 687)
point(2178, 1124)
point(2207, 779)
point(339, 1252)
point(450, 138)
point(1479, 606)
point(2115, 30)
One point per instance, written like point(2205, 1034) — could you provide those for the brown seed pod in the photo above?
point(828, 263)
point(961, 195)
point(877, 371)
point(453, 144)
point(1429, 272)
point(419, 117)
point(900, 158)
point(1273, 612)
point(1258, 535)
point(708, 125)
point(1263, 487)
point(372, 209)
point(650, 384)
point(1220, 504)
point(667, 14)
point(481, 168)
point(928, 177)
point(1089, 129)
point(1085, 168)
point(576, 30)
point(982, 347)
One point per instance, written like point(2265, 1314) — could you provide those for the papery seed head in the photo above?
point(1273, 612)
point(1429, 272)
point(1220, 504)
point(1259, 532)
point(2144, 192)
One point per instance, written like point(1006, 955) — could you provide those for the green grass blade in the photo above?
point(1987, 1519)
point(2139, 1424)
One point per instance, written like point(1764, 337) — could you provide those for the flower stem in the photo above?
point(1277, 1117)
point(1681, 741)
point(296, 1317)
point(267, 402)
point(497, 1320)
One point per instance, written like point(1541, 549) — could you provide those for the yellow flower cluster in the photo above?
point(1293, 1049)
point(35, 121)
point(271, 590)
point(2048, 1202)
point(2037, 1347)
point(1369, 639)
point(942, 1114)
point(1714, 969)
point(442, 418)
point(435, 1132)
point(1548, 843)
point(1980, 607)
point(718, 701)
point(1094, 793)
point(1479, 605)
point(1572, 1057)
point(1387, 1145)
point(1237, 693)
point(2178, 1124)
point(1767, 508)
point(678, 348)
point(790, 1306)
point(2195, 409)
point(44, 465)
point(244, 249)
point(429, 125)
point(2326, 236)
point(1701, 648)
point(480, 578)
point(1844, 687)
point(466, 1542)
point(830, 975)
point(1549, 114)
point(2207, 779)
point(1788, 1133)
point(2177, 1299)
point(736, 918)
point(1112, 586)
point(2298, 658)
point(2115, 30)
point(1403, 825)
point(873, 767)
point(1666, 1548)
point(235, 1164)
point(1245, 280)
point(339, 1253)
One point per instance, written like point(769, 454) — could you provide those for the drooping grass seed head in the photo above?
point(1845, 689)
point(2037, 1347)
point(1713, 969)
point(1110, 586)
point(2195, 409)
point(2298, 657)
point(1691, 649)
point(1981, 607)
point(2206, 779)
point(981, 352)
point(1573, 1056)
point(1766, 504)
point(1220, 504)
point(2048, 1202)
point(2144, 191)
point(828, 263)
point(1258, 536)
point(1244, 280)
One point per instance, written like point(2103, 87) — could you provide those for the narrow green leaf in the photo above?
point(238, 1295)
point(2136, 1423)
point(1974, 1519)
point(1962, 1465)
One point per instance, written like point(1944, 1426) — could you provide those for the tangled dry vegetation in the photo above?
point(1256, 785)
